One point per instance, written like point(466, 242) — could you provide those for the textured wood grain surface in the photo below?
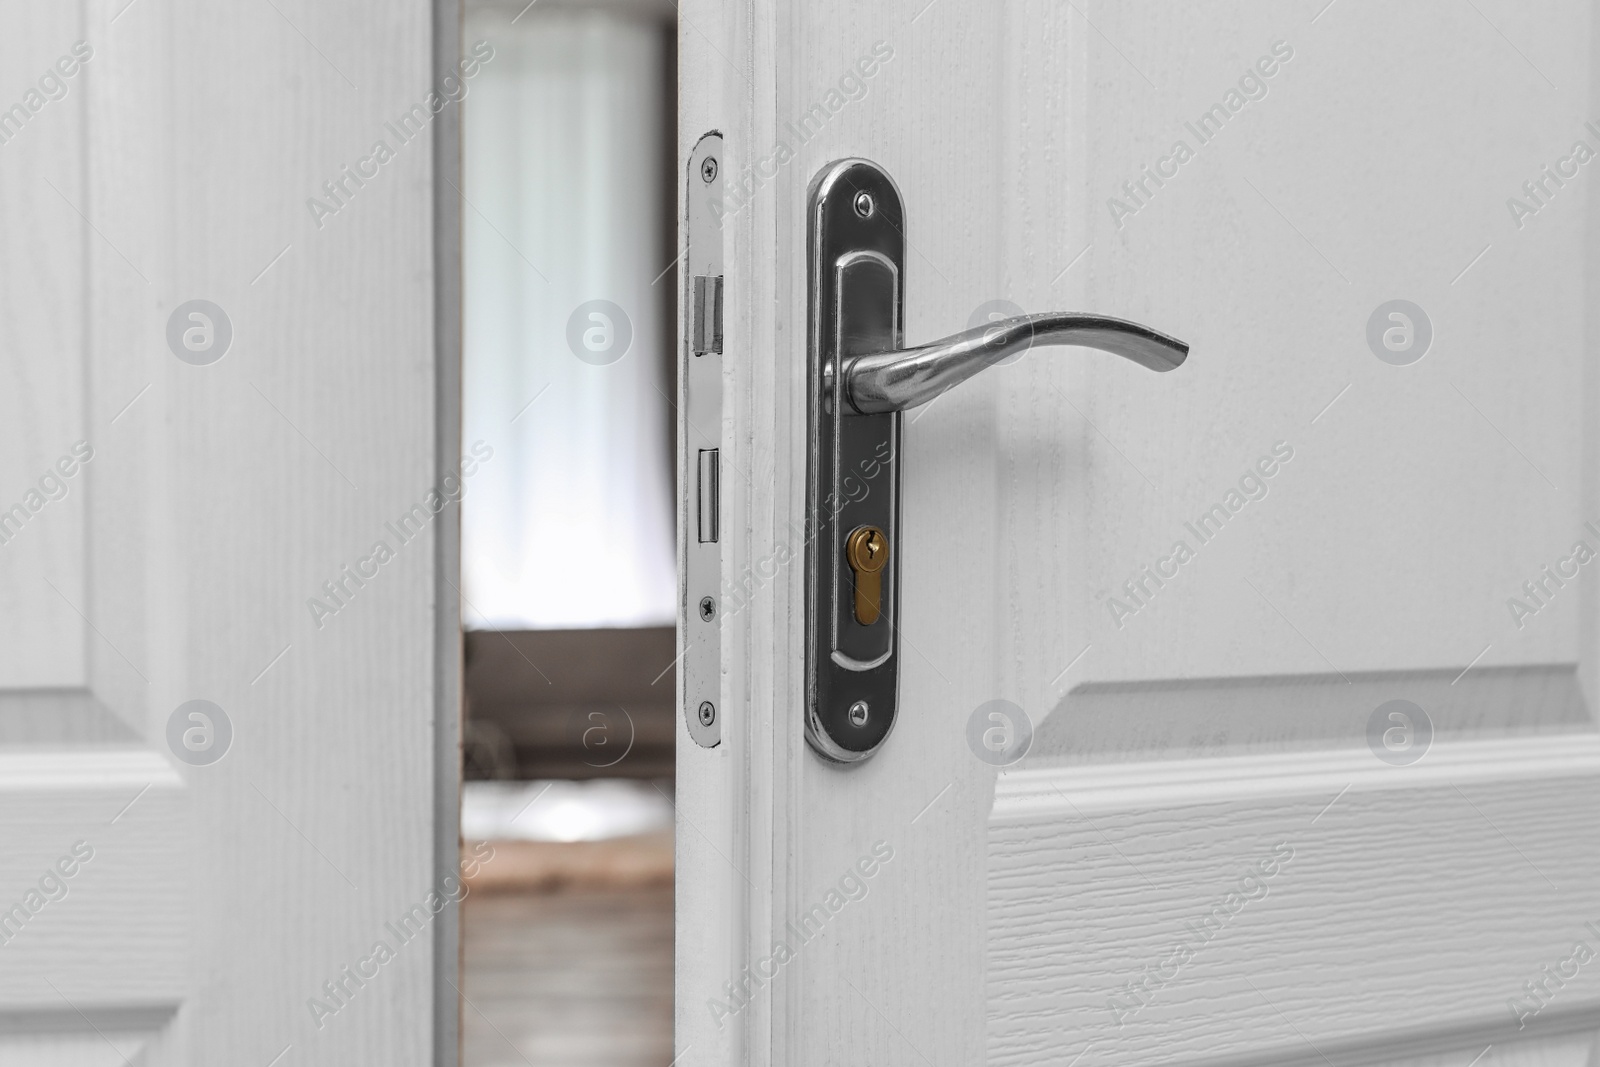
point(1264, 908)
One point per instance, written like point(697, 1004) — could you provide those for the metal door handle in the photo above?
point(894, 381)
point(857, 226)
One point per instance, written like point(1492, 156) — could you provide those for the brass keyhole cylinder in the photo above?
point(867, 552)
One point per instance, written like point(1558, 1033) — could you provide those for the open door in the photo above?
point(227, 716)
point(1241, 714)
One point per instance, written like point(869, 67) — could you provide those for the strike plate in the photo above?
point(856, 237)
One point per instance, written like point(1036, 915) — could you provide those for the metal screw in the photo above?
point(708, 609)
point(858, 711)
point(864, 204)
point(708, 170)
point(708, 713)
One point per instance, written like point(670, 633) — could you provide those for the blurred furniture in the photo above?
point(570, 703)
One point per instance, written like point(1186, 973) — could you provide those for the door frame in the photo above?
point(737, 802)
point(448, 642)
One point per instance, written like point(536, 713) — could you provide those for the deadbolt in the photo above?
point(867, 552)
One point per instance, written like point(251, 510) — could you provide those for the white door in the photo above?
point(1304, 631)
point(227, 764)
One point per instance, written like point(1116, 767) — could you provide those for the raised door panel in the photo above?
point(210, 904)
point(95, 864)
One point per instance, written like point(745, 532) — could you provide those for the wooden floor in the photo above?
point(580, 977)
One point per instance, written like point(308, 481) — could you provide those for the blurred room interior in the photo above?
point(568, 533)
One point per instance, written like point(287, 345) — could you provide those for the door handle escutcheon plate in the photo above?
point(857, 257)
point(860, 377)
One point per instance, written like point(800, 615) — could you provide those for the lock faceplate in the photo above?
point(857, 257)
point(700, 451)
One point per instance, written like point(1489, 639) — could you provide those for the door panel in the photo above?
point(1359, 527)
point(83, 792)
point(43, 412)
point(1349, 941)
point(164, 520)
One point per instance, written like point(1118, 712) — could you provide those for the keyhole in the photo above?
point(867, 552)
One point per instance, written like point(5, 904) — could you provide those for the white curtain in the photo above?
point(570, 523)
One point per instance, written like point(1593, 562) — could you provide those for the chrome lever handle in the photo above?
point(859, 376)
point(895, 381)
